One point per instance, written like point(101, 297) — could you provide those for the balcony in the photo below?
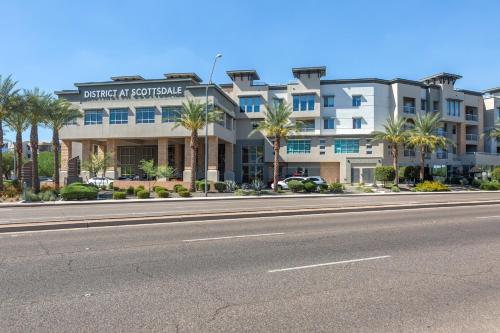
point(442, 155)
point(471, 137)
point(471, 117)
point(410, 109)
point(441, 132)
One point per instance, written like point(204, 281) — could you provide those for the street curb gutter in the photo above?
point(19, 227)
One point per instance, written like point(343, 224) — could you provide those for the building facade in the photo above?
point(133, 119)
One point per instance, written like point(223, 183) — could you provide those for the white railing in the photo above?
point(471, 117)
point(409, 109)
point(471, 137)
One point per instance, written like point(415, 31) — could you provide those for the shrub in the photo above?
point(231, 185)
point(79, 191)
point(395, 188)
point(257, 185)
point(119, 195)
point(48, 195)
point(410, 172)
point(178, 187)
point(31, 197)
point(495, 175)
point(10, 191)
point(143, 194)
point(220, 187)
point(323, 188)
point(336, 188)
point(476, 183)
point(45, 187)
point(138, 189)
point(367, 190)
point(490, 186)
point(130, 190)
point(162, 194)
point(159, 188)
point(431, 186)
point(184, 193)
point(110, 186)
point(384, 173)
point(295, 186)
point(310, 186)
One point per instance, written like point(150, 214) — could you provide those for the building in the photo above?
point(42, 147)
point(132, 119)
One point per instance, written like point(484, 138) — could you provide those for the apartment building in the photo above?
point(132, 118)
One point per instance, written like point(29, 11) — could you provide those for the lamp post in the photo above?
point(206, 122)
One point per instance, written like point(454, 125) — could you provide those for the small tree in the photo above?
point(8, 163)
point(96, 164)
point(154, 172)
point(495, 175)
point(46, 163)
point(384, 173)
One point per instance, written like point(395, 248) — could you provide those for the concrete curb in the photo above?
point(37, 226)
point(267, 197)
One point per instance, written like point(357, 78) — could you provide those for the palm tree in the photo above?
point(278, 124)
point(6, 91)
point(60, 112)
point(192, 118)
point(494, 132)
point(394, 134)
point(38, 106)
point(17, 120)
point(424, 136)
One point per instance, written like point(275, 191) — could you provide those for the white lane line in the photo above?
point(488, 217)
point(230, 237)
point(326, 264)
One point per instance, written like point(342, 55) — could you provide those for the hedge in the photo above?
point(384, 173)
point(138, 189)
point(220, 187)
point(130, 190)
point(119, 195)
point(495, 175)
point(184, 194)
point(296, 186)
point(336, 188)
point(162, 194)
point(178, 187)
point(310, 186)
point(143, 194)
point(79, 191)
point(159, 188)
point(490, 186)
point(430, 186)
point(200, 185)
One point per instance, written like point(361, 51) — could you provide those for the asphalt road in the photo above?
point(167, 208)
point(425, 270)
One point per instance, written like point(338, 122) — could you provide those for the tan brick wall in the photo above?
point(229, 157)
point(213, 152)
point(162, 152)
point(169, 184)
point(330, 171)
point(66, 152)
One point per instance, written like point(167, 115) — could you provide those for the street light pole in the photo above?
point(206, 122)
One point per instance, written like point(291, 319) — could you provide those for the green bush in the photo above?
point(495, 175)
point(29, 196)
point(184, 193)
point(178, 187)
point(367, 190)
point(200, 185)
point(431, 186)
point(411, 172)
point(10, 191)
point(384, 173)
point(323, 188)
point(110, 186)
point(220, 187)
point(143, 194)
point(395, 188)
point(476, 183)
point(162, 194)
point(310, 186)
point(119, 195)
point(130, 190)
point(116, 188)
point(138, 189)
point(490, 186)
point(159, 188)
point(336, 188)
point(79, 191)
point(296, 186)
point(48, 195)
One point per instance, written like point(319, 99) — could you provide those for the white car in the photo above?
point(283, 184)
point(100, 181)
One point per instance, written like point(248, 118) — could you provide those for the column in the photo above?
point(178, 158)
point(186, 174)
point(86, 151)
point(112, 151)
point(163, 153)
point(66, 154)
point(213, 159)
point(229, 161)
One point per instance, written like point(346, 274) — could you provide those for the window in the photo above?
point(409, 151)
point(347, 146)
point(298, 146)
point(322, 146)
point(498, 113)
point(250, 104)
point(145, 115)
point(454, 107)
point(356, 100)
point(93, 117)
point(303, 103)
point(329, 101)
point(252, 158)
point(435, 106)
point(229, 122)
point(329, 123)
point(356, 123)
point(255, 124)
point(423, 104)
point(169, 114)
point(308, 126)
point(73, 121)
point(408, 105)
point(277, 101)
point(118, 116)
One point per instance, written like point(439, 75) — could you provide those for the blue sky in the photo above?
point(52, 44)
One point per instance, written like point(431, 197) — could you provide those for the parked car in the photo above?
point(283, 184)
point(44, 179)
point(318, 180)
point(100, 181)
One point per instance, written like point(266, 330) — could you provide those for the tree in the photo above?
point(154, 172)
point(384, 173)
point(60, 112)
point(192, 118)
point(394, 134)
point(494, 132)
point(46, 164)
point(38, 103)
point(96, 163)
point(6, 92)
point(277, 124)
point(423, 136)
point(8, 163)
point(17, 120)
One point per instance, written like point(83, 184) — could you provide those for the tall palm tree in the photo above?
point(278, 124)
point(17, 120)
point(424, 136)
point(192, 118)
point(494, 132)
point(38, 106)
point(7, 86)
point(395, 134)
point(60, 112)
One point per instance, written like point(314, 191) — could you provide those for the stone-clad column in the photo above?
point(86, 151)
point(112, 151)
point(213, 158)
point(178, 158)
point(186, 174)
point(66, 154)
point(162, 152)
point(229, 161)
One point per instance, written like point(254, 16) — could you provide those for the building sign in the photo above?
point(133, 93)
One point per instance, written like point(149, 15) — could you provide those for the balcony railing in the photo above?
point(471, 117)
point(471, 137)
point(307, 129)
point(409, 109)
point(441, 155)
point(441, 132)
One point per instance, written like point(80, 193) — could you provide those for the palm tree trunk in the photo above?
point(422, 162)
point(19, 152)
point(395, 155)
point(276, 162)
point(55, 145)
point(194, 158)
point(1, 156)
point(35, 181)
